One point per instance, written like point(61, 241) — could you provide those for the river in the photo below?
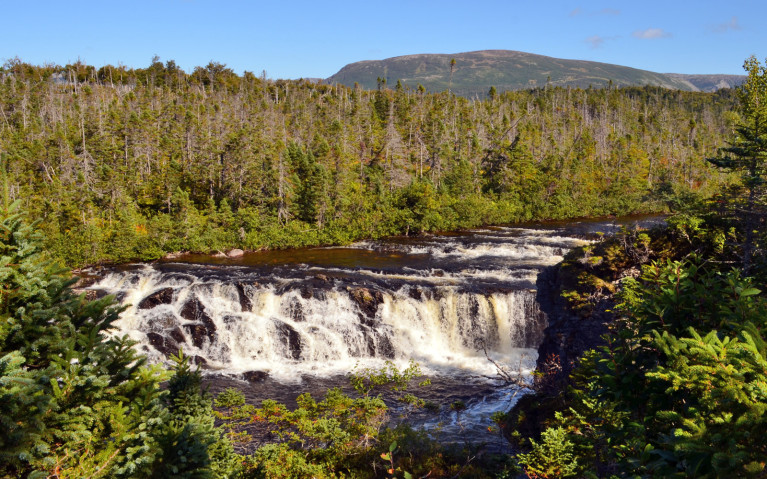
point(278, 323)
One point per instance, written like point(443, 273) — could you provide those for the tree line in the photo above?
point(129, 164)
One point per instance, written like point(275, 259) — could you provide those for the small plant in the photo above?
point(389, 457)
point(367, 379)
point(552, 457)
point(230, 398)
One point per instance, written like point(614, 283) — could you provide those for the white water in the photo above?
point(471, 297)
point(443, 332)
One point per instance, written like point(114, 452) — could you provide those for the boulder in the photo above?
point(199, 361)
point(384, 347)
point(295, 310)
point(177, 335)
point(163, 344)
point(290, 338)
point(94, 294)
point(163, 296)
point(366, 300)
point(86, 281)
point(416, 293)
point(235, 253)
point(193, 310)
point(307, 291)
point(245, 303)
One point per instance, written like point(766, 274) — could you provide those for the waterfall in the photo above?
point(446, 302)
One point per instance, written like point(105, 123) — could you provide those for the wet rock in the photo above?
point(366, 300)
point(384, 347)
point(174, 255)
point(163, 344)
point(163, 296)
point(199, 333)
point(193, 310)
point(415, 293)
point(371, 343)
point(199, 361)
point(245, 303)
point(295, 310)
point(322, 277)
point(86, 281)
point(290, 338)
point(255, 376)
point(235, 253)
point(306, 292)
point(177, 335)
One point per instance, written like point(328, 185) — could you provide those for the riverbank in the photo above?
point(579, 297)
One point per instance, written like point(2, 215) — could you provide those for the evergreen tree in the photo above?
point(192, 447)
point(75, 401)
point(747, 154)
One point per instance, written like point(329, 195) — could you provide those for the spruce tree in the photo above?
point(747, 154)
point(76, 401)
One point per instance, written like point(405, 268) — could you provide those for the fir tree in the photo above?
point(75, 401)
point(747, 154)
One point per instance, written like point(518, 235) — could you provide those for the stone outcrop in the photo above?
point(568, 334)
point(366, 299)
point(204, 329)
point(163, 296)
point(290, 338)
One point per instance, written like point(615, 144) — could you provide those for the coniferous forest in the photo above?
point(126, 164)
point(108, 165)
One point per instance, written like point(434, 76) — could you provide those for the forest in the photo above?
point(112, 164)
point(129, 164)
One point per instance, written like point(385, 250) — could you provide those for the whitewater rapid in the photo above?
point(447, 302)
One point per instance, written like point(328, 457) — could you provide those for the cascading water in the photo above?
point(445, 302)
point(448, 302)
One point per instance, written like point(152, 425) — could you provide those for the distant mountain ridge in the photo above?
point(711, 82)
point(475, 72)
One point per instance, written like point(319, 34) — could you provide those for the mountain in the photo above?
point(475, 72)
point(710, 82)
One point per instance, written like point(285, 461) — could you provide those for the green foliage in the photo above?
point(315, 438)
point(191, 447)
point(552, 457)
point(720, 431)
point(746, 154)
point(137, 163)
point(366, 380)
point(692, 341)
point(76, 402)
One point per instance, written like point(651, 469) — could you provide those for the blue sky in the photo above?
point(315, 38)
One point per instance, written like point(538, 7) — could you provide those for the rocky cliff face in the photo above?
point(568, 334)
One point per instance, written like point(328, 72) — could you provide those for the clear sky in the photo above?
point(295, 39)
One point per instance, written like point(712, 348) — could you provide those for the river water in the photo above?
point(278, 323)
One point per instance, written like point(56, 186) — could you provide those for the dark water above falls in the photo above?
point(278, 323)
